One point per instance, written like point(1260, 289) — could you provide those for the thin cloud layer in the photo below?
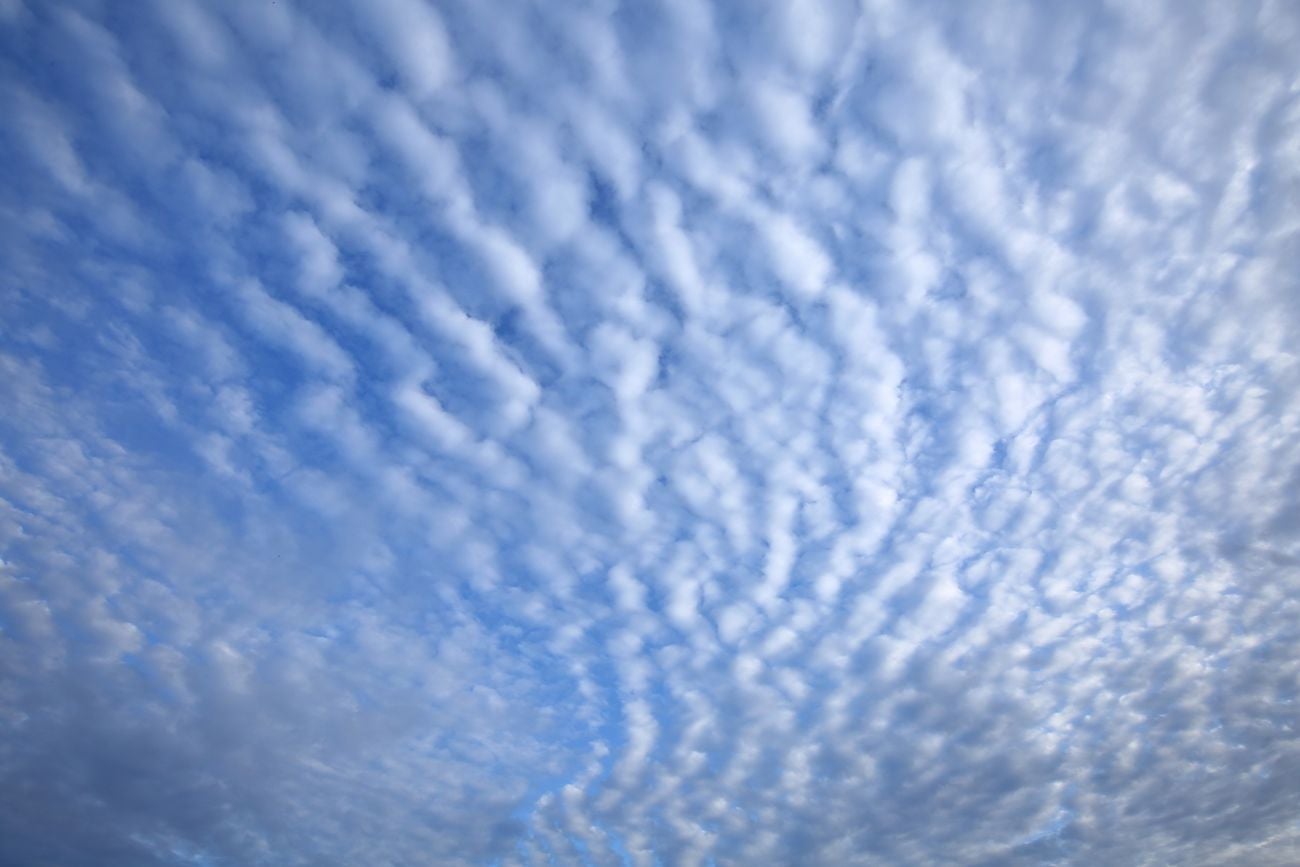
point(680, 433)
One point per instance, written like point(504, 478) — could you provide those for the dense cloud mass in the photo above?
point(649, 433)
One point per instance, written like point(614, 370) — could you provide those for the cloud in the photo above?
point(508, 433)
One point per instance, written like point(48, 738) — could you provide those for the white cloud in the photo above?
point(409, 37)
point(700, 434)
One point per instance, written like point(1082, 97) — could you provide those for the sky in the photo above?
point(681, 432)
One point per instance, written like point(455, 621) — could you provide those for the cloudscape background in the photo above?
point(652, 433)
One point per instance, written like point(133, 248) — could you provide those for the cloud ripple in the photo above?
point(680, 433)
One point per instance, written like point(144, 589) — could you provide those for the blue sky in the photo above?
point(674, 433)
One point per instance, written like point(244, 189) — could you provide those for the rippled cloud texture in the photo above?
point(672, 433)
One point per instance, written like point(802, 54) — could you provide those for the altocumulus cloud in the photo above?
point(678, 433)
